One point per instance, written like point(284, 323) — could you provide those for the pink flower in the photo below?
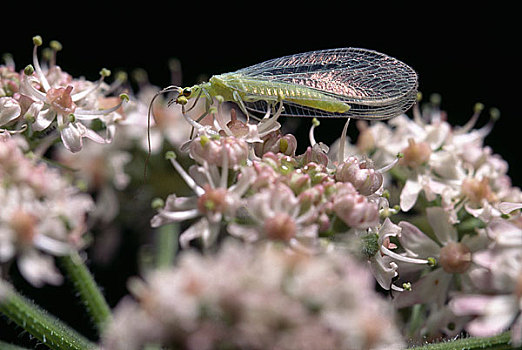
point(354, 209)
point(361, 174)
point(55, 96)
point(452, 256)
point(216, 149)
point(42, 215)
point(499, 306)
point(214, 201)
point(275, 214)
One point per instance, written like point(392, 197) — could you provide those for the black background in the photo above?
point(466, 54)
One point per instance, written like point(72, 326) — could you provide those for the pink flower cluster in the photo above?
point(274, 196)
point(42, 215)
point(255, 297)
point(471, 235)
point(321, 201)
point(43, 98)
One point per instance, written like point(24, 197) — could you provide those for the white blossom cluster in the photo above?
point(256, 297)
point(42, 214)
point(462, 214)
point(277, 246)
point(447, 243)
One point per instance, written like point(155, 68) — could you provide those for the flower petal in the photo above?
point(417, 243)
point(504, 233)
point(440, 223)
point(165, 217)
point(432, 287)
point(43, 118)
point(383, 269)
point(72, 138)
point(508, 207)
point(39, 269)
point(409, 194)
point(498, 314)
point(9, 110)
point(199, 229)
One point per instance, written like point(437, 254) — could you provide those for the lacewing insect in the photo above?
point(347, 82)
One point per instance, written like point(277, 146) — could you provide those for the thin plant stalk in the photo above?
point(51, 331)
point(88, 290)
point(498, 342)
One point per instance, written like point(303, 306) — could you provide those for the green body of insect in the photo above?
point(350, 82)
point(252, 90)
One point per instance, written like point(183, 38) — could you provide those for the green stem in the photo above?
point(88, 291)
point(498, 342)
point(166, 245)
point(48, 329)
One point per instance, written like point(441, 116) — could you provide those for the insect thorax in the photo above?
point(218, 85)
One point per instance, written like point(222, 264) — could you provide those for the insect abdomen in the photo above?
point(251, 90)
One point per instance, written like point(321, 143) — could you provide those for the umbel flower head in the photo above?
point(42, 96)
point(42, 214)
point(459, 205)
point(255, 297)
point(277, 197)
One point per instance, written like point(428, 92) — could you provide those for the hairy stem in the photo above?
point(498, 342)
point(48, 329)
point(88, 291)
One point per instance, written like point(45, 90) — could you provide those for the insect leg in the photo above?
point(208, 103)
point(239, 101)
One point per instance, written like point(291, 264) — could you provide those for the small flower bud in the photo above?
point(37, 40)
point(211, 150)
point(29, 70)
point(354, 209)
point(55, 45)
point(361, 174)
point(157, 203)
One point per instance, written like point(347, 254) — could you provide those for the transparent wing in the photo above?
point(357, 111)
point(374, 84)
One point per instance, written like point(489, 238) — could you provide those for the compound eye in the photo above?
point(186, 92)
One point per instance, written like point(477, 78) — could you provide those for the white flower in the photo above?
point(256, 297)
point(276, 215)
point(500, 305)
point(72, 104)
point(41, 214)
point(453, 256)
point(213, 202)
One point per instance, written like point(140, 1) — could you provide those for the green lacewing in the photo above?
point(346, 82)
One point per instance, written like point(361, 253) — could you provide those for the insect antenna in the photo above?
point(150, 113)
